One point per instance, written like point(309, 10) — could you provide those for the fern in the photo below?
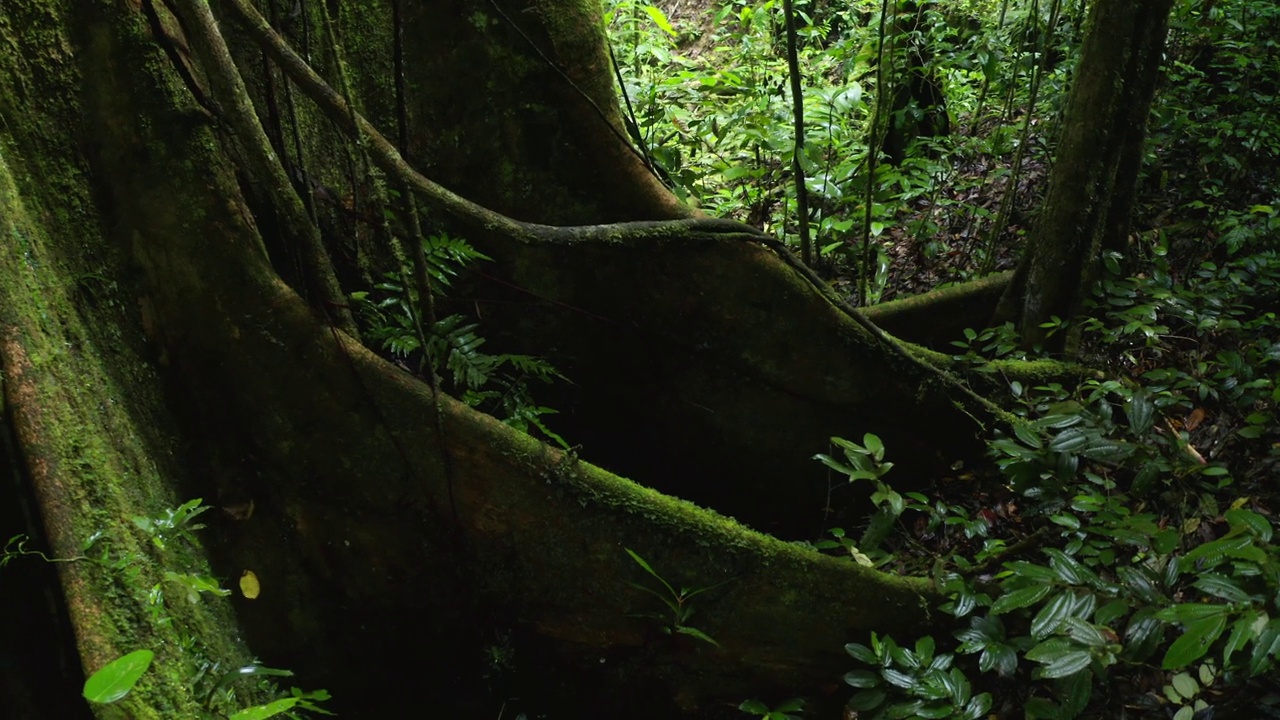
point(446, 255)
point(498, 384)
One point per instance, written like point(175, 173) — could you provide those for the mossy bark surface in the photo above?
point(80, 392)
point(936, 318)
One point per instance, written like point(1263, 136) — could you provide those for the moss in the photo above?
point(667, 516)
point(937, 317)
point(76, 374)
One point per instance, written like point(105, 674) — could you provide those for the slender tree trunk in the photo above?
point(1093, 176)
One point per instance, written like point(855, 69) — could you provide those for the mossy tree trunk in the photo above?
point(1095, 170)
point(151, 353)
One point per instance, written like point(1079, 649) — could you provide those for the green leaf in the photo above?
point(1265, 647)
point(1085, 633)
point(1194, 642)
point(1141, 412)
point(868, 700)
point(901, 679)
point(1075, 691)
point(659, 18)
point(1067, 567)
point(925, 647)
point(1020, 599)
point(862, 678)
point(1001, 658)
point(1187, 613)
point(977, 707)
point(1028, 435)
point(1243, 630)
point(1066, 664)
point(862, 653)
point(696, 633)
point(874, 446)
point(647, 568)
point(1071, 440)
point(1259, 525)
point(1111, 612)
point(1221, 586)
point(1186, 685)
point(271, 709)
point(115, 679)
point(940, 710)
point(1050, 650)
point(235, 674)
point(1031, 570)
point(958, 685)
point(1143, 635)
point(1066, 520)
point(834, 464)
point(933, 687)
point(1213, 553)
point(753, 706)
point(1052, 615)
point(903, 710)
point(196, 584)
point(1038, 708)
point(1165, 541)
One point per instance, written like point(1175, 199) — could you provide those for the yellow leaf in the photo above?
point(249, 585)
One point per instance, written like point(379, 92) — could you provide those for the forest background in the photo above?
point(1050, 516)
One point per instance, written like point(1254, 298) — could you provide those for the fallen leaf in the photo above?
point(249, 586)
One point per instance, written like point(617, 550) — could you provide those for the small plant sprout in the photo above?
point(785, 710)
point(174, 522)
point(866, 462)
point(678, 602)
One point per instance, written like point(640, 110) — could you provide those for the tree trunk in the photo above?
point(151, 353)
point(1095, 170)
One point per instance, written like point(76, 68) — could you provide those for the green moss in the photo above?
point(665, 516)
point(92, 426)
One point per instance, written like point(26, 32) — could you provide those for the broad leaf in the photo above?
point(862, 678)
point(659, 18)
point(867, 700)
point(1066, 664)
point(1052, 615)
point(1143, 635)
point(1245, 628)
point(1256, 523)
point(115, 679)
point(1194, 642)
point(271, 709)
point(1020, 598)
point(1141, 412)
point(862, 653)
point(1223, 587)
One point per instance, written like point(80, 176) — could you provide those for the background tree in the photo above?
point(1100, 151)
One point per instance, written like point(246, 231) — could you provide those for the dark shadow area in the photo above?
point(40, 673)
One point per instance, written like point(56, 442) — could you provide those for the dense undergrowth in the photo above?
point(1115, 557)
